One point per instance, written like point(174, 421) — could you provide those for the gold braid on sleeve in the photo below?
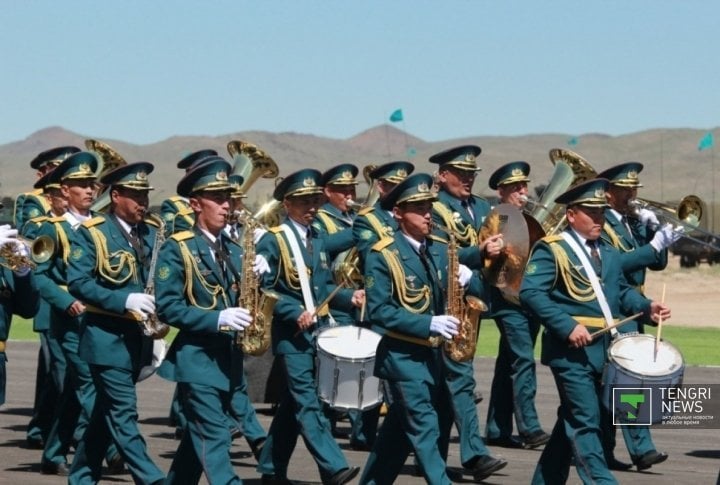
point(102, 261)
point(413, 300)
point(465, 235)
point(577, 284)
point(192, 269)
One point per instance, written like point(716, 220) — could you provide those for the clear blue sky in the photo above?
point(141, 71)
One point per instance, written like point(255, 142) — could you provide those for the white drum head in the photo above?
point(636, 354)
point(349, 342)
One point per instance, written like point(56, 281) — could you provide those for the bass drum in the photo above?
point(345, 365)
point(632, 365)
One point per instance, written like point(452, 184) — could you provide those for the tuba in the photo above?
point(109, 160)
point(570, 169)
point(251, 163)
point(255, 340)
point(467, 309)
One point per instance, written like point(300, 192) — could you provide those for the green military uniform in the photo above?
point(194, 283)
point(299, 411)
point(336, 228)
point(557, 289)
point(514, 383)
point(464, 219)
point(405, 282)
point(28, 206)
point(77, 397)
point(18, 296)
point(632, 239)
point(108, 262)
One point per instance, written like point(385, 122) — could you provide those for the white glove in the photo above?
point(445, 325)
point(236, 318)
point(464, 275)
point(8, 235)
point(140, 303)
point(665, 237)
point(648, 217)
point(257, 234)
point(260, 266)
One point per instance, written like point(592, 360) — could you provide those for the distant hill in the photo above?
point(673, 165)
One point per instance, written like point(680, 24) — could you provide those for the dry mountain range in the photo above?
point(674, 166)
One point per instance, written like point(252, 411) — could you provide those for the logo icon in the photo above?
point(632, 406)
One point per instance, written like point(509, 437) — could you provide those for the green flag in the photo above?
point(396, 116)
point(706, 141)
point(572, 141)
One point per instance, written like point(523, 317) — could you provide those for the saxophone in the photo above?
point(152, 327)
point(467, 309)
point(255, 340)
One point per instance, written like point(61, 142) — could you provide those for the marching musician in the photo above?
point(463, 213)
point(574, 283)
point(197, 290)
point(300, 274)
point(178, 216)
point(405, 279)
point(514, 383)
point(175, 210)
point(374, 223)
point(333, 222)
point(28, 206)
point(18, 292)
point(74, 179)
point(108, 270)
point(643, 244)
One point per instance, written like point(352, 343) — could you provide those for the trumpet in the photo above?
point(40, 250)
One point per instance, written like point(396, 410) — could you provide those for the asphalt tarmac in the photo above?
point(694, 454)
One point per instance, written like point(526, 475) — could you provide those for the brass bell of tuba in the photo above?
point(109, 160)
point(251, 163)
point(570, 170)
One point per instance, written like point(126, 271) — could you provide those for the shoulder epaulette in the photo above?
point(53, 219)
point(185, 211)
point(182, 235)
point(175, 198)
point(94, 221)
point(40, 219)
point(275, 229)
point(437, 238)
point(366, 210)
point(151, 222)
point(552, 239)
point(382, 244)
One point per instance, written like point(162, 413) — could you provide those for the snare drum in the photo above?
point(345, 364)
point(631, 364)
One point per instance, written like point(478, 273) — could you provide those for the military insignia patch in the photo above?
point(369, 281)
point(168, 216)
point(531, 268)
point(34, 213)
point(76, 254)
point(366, 234)
point(163, 273)
point(389, 231)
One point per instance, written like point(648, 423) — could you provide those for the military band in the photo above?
point(114, 277)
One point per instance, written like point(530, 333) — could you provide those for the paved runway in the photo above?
point(694, 455)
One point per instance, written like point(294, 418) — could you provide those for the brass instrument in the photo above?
point(685, 217)
point(570, 170)
point(373, 194)
point(467, 309)
point(255, 340)
point(40, 250)
point(109, 160)
point(152, 326)
point(269, 214)
point(251, 163)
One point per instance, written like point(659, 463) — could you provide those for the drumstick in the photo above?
point(615, 325)
point(324, 302)
point(659, 330)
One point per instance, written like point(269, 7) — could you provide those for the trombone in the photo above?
point(686, 215)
